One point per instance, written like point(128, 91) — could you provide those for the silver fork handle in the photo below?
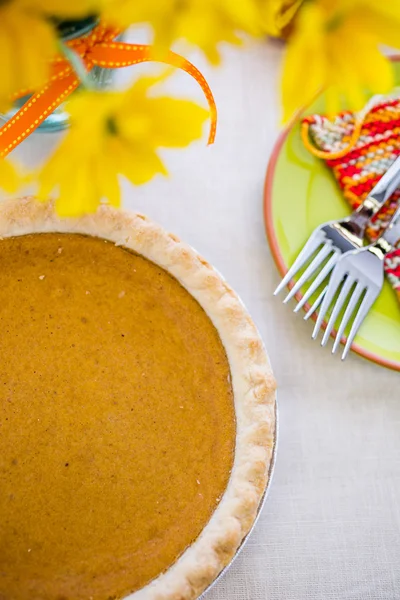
point(382, 190)
point(392, 232)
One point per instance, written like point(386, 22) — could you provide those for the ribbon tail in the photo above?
point(34, 112)
point(114, 55)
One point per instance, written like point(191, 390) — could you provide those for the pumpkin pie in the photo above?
point(137, 410)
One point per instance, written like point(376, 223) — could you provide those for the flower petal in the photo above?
point(9, 179)
point(304, 68)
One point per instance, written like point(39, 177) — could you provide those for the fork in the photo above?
point(335, 238)
point(359, 276)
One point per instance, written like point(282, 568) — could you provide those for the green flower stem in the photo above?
point(78, 65)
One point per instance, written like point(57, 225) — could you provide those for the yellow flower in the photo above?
point(28, 40)
point(335, 44)
point(204, 23)
point(116, 133)
point(9, 179)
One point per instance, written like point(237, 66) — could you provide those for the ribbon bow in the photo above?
point(99, 48)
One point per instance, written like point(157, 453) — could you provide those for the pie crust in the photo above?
point(252, 380)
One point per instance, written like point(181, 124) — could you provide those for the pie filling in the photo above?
point(117, 424)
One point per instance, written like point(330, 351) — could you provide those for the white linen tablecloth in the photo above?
point(330, 529)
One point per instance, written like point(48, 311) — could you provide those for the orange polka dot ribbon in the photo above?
point(99, 48)
point(359, 148)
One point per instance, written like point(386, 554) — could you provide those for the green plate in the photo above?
point(301, 193)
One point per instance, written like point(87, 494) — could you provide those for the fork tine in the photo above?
point(333, 285)
point(318, 280)
point(366, 304)
point(315, 240)
point(344, 292)
point(348, 312)
point(314, 307)
point(312, 267)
